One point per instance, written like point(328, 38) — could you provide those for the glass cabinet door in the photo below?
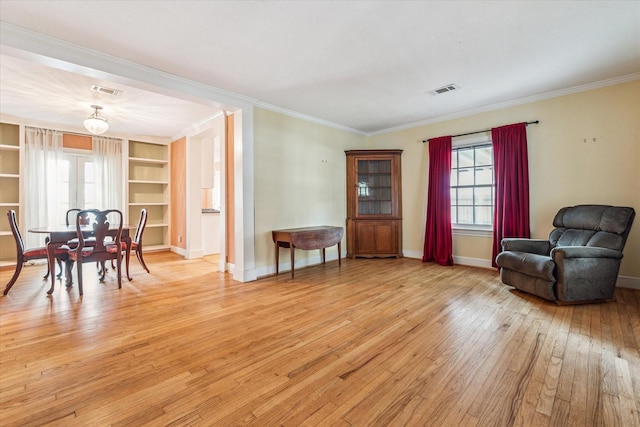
point(374, 187)
point(374, 203)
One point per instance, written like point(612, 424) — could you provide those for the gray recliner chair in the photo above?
point(580, 261)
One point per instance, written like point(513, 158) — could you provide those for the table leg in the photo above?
point(339, 254)
point(293, 258)
point(68, 268)
point(277, 258)
point(51, 248)
point(324, 255)
point(127, 253)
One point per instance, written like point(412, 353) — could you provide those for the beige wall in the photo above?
point(563, 169)
point(300, 168)
point(300, 171)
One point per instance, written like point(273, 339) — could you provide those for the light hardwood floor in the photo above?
point(380, 342)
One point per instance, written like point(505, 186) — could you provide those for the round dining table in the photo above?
point(60, 234)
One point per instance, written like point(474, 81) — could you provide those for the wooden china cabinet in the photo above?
point(374, 203)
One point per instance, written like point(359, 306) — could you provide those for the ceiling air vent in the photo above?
point(443, 89)
point(105, 90)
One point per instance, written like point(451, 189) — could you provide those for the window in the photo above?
point(472, 185)
point(78, 182)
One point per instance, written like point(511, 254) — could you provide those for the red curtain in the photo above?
point(511, 166)
point(438, 245)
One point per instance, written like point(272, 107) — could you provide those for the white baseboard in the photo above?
point(472, 262)
point(412, 254)
point(179, 251)
point(628, 282)
point(623, 281)
point(459, 260)
point(194, 254)
point(230, 268)
point(188, 254)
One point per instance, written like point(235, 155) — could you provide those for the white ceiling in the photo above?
point(362, 65)
point(44, 94)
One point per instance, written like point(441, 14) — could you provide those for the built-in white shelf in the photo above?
point(138, 181)
point(144, 160)
point(148, 187)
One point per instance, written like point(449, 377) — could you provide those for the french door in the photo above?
point(77, 181)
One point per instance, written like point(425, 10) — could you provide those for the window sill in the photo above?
point(471, 230)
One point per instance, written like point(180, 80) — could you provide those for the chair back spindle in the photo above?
point(13, 223)
point(142, 223)
point(86, 216)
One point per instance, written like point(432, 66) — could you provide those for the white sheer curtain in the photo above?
point(107, 163)
point(42, 194)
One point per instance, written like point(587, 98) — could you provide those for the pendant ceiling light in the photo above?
point(95, 123)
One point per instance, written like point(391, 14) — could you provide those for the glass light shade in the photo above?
point(96, 125)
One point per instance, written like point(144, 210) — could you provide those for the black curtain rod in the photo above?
point(481, 131)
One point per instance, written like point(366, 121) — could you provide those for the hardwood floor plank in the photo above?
point(375, 342)
point(631, 311)
point(578, 402)
point(549, 388)
point(629, 410)
point(559, 413)
point(507, 337)
point(566, 381)
point(465, 380)
point(611, 411)
point(594, 405)
point(608, 380)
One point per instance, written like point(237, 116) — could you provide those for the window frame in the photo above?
point(478, 230)
point(76, 185)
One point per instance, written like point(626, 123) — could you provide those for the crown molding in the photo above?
point(307, 118)
point(513, 103)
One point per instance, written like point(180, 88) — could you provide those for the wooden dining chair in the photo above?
point(106, 246)
point(88, 215)
point(70, 218)
point(136, 243)
point(23, 255)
